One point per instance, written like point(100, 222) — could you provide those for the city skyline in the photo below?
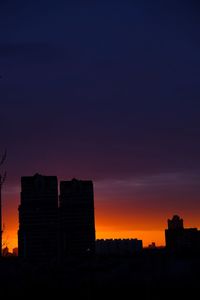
point(107, 91)
point(147, 236)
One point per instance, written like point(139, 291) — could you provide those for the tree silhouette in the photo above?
point(5, 237)
point(2, 180)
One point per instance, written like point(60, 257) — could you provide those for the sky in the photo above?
point(108, 91)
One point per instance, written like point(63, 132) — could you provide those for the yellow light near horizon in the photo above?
point(11, 241)
point(147, 236)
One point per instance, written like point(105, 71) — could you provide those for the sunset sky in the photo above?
point(108, 91)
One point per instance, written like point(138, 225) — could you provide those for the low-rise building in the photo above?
point(118, 246)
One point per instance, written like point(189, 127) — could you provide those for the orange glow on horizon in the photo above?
point(146, 236)
point(102, 232)
point(113, 221)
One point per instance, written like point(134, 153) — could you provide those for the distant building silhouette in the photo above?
point(152, 245)
point(179, 238)
point(5, 251)
point(175, 223)
point(15, 251)
point(77, 217)
point(118, 246)
point(38, 217)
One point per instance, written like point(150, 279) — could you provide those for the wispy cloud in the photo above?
point(156, 181)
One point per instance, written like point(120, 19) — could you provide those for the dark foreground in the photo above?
point(149, 275)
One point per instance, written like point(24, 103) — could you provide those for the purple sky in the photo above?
point(104, 90)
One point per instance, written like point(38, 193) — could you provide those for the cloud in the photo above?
point(156, 193)
point(151, 181)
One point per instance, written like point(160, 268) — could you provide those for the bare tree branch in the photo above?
point(3, 158)
point(3, 179)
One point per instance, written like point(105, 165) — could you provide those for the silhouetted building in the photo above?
point(38, 217)
point(152, 245)
point(77, 217)
point(15, 251)
point(118, 246)
point(5, 251)
point(179, 238)
point(175, 223)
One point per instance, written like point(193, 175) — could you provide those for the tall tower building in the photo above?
point(77, 217)
point(38, 217)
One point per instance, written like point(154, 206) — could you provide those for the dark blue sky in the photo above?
point(107, 90)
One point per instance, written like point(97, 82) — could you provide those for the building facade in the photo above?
point(179, 238)
point(77, 223)
point(38, 217)
point(118, 246)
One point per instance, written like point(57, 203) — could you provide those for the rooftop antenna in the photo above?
point(2, 180)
